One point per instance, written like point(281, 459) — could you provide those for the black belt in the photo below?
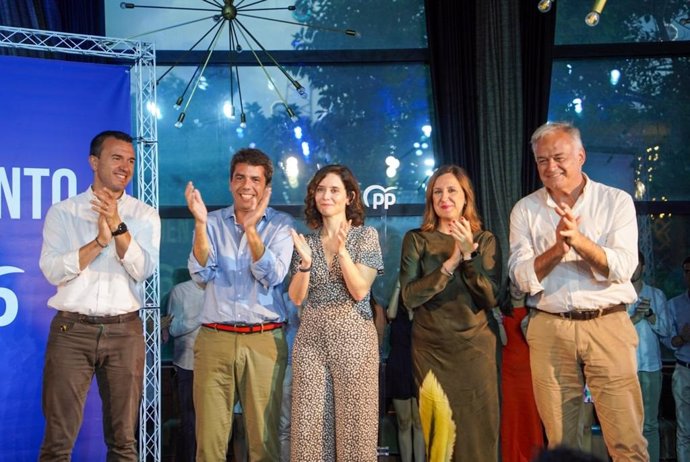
point(585, 315)
point(83, 318)
point(683, 363)
point(245, 328)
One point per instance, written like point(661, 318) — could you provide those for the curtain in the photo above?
point(537, 37)
point(499, 113)
point(75, 16)
point(451, 30)
point(476, 78)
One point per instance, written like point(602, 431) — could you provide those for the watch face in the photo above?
point(121, 229)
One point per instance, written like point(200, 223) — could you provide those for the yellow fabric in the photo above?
point(437, 420)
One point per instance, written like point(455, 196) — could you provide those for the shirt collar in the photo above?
point(229, 214)
point(90, 194)
point(585, 191)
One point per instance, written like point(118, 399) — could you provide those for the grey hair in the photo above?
point(551, 127)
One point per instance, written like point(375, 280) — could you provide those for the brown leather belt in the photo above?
point(245, 328)
point(85, 319)
point(585, 315)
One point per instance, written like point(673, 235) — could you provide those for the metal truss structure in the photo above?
point(142, 56)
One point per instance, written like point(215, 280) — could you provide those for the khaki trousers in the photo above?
point(245, 367)
point(604, 348)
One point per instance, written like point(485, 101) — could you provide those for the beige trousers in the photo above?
point(561, 350)
point(248, 367)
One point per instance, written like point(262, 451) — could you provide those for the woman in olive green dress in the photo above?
point(450, 274)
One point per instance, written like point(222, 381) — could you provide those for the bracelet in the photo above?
point(99, 244)
point(473, 254)
point(304, 270)
point(446, 272)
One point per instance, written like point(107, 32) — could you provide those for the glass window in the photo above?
point(373, 118)
point(623, 22)
point(669, 236)
point(380, 24)
point(634, 115)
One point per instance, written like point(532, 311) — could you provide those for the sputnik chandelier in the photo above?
point(226, 18)
point(592, 18)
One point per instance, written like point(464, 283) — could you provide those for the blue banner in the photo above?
point(51, 111)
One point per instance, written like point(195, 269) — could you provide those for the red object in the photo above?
point(245, 329)
point(522, 434)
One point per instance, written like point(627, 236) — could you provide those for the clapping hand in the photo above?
point(302, 248)
point(105, 204)
point(258, 210)
point(342, 235)
point(643, 307)
point(195, 203)
point(462, 233)
point(567, 229)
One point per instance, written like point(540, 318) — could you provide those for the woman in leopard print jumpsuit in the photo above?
point(335, 358)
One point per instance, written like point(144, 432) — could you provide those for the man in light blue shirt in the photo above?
point(652, 322)
point(242, 253)
point(679, 311)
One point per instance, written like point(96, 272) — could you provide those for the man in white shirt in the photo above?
point(573, 250)
point(650, 316)
point(679, 312)
point(98, 249)
point(184, 307)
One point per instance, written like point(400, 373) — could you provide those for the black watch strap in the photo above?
point(121, 229)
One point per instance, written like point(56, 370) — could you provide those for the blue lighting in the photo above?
point(298, 132)
point(305, 149)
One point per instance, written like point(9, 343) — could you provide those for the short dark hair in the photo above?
point(255, 157)
point(354, 211)
point(98, 140)
point(686, 261)
point(565, 454)
point(640, 257)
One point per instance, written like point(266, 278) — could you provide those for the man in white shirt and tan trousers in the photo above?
point(573, 249)
point(98, 249)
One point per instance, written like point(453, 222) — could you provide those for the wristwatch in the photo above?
point(121, 229)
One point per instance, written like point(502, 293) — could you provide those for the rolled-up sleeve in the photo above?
point(199, 273)
point(522, 253)
point(141, 258)
point(273, 266)
point(620, 245)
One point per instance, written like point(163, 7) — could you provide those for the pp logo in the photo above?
point(379, 196)
point(10, 298)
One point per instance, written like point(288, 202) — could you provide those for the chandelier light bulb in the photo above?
point(180, 120)
point(592, 19)
point(544, 5)
point(178, 103)
point(243, 120)
point(300, 89)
